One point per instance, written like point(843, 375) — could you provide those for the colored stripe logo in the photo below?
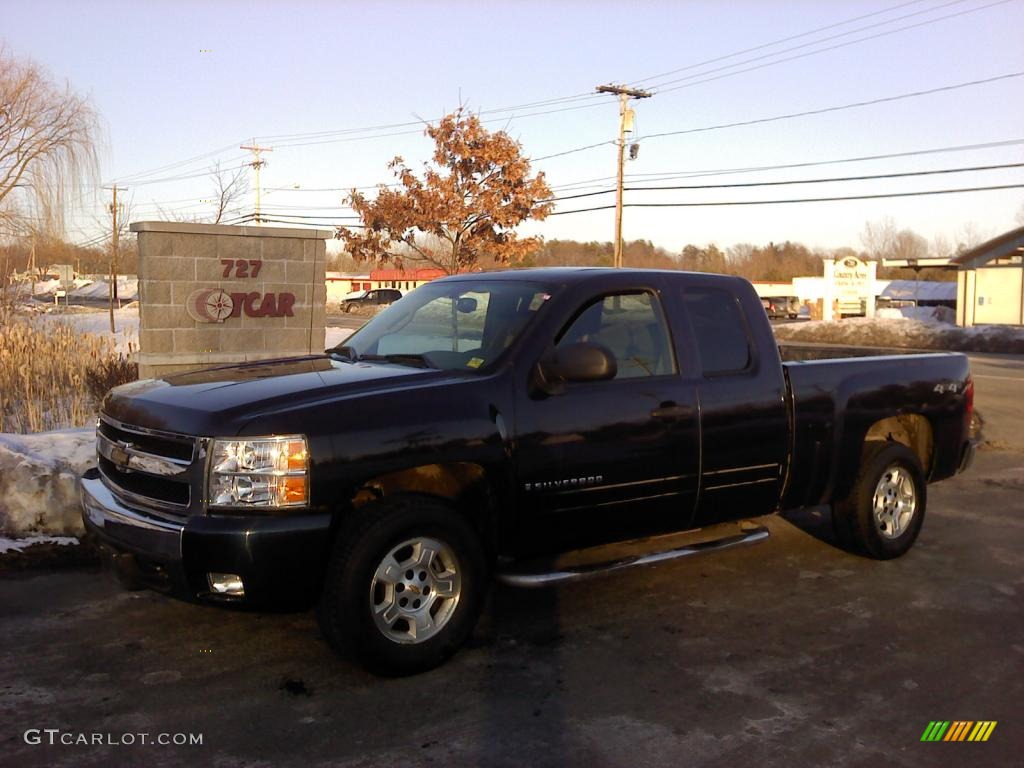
point(958, 730)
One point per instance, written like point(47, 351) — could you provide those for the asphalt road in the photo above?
point(342, 320)
point(787, 653)
point(999, 396)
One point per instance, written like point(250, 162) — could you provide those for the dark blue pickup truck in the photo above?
point(485, 421)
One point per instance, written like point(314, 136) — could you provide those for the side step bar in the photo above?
point(529, 578)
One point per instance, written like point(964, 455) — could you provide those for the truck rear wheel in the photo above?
point(405, 585)
point(883, 514)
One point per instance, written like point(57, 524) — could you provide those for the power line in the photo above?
point(251, 217)
point(660, 89)
point(776, 42)
point(306, 216)
point(282, 139)
point(807, 113)
point(853, 105)
point(863, 158)
point(187, 176)
point(698, 173)
point(595, 101)
point(176, 164)
point(794, 200)
point(571, 151)
point(788, 182)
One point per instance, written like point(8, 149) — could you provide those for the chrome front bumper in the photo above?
point(124, 529)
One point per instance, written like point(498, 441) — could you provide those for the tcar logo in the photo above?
point(214, 305)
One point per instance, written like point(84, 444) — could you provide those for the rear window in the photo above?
point(720, 330)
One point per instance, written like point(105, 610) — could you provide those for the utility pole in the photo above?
point(114, 245)
point(624, 94)
point(257, 163)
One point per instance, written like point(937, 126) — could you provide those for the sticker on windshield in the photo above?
point(475, 362)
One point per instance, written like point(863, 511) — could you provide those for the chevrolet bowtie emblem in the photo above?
point(119, 454)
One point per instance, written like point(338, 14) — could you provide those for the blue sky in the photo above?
point(276, 70)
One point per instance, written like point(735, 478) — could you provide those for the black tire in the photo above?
point(853, 518)
point(345, 611)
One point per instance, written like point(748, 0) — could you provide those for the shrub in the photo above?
point(46, 373)
point(108, 373)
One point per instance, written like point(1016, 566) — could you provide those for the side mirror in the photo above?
point(583, 361)
point(466, 304)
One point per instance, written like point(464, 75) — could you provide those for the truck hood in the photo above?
point(218, 401)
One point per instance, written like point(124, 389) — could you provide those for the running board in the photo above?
point(530, 578)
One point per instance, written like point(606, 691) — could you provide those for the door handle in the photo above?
point(670, 410)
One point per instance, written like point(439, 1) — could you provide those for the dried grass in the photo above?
point(44, 376)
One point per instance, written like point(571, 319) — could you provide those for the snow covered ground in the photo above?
point(22, 543)
point(126, 320)
point(88, 288)
point(905, 333)
point(924, 314)
point(39, 480)
point(336, 336)
point(97, 322)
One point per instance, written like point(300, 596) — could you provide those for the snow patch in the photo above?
point(19, 545)
point(39, 480)
point(335, 336)
point(97, 322)
point(905, 333)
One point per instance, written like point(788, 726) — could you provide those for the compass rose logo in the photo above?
point(209, 305)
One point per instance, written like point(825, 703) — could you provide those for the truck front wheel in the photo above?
point(883, 514)
point(404, 586)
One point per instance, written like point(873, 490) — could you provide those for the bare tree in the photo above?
point(941, 249)
point(47, 143)
point(968, 236)
point(907, 244)
point(228, 188)
point(879, 237)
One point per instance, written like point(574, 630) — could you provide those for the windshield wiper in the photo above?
point(401, 358)
point(348, 355)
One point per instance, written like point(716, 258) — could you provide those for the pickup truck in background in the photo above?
point(487, 420)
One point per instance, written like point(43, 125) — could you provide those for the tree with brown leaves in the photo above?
point(464, 209)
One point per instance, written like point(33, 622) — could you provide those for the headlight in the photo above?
point(259, 472)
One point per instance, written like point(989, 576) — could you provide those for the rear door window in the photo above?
point(720, 330)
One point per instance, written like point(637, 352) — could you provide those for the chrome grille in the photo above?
point(150, 468)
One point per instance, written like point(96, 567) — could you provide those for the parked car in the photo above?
point(778, 307)
point(375, 297)
point(488, 422)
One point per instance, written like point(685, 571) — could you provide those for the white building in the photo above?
point(990, 284)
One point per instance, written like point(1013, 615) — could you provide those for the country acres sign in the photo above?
point(851, 278)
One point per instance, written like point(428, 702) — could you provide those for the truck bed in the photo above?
point(835, 401)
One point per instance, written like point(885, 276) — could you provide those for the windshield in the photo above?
point(457, 325)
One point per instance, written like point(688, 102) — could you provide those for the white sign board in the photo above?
point(851, 279)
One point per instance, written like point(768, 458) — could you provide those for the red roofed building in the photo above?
point(340, 284)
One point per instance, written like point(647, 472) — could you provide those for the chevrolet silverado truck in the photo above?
point(486, 422)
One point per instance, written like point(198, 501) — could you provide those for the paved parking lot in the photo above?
point(790, 652)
